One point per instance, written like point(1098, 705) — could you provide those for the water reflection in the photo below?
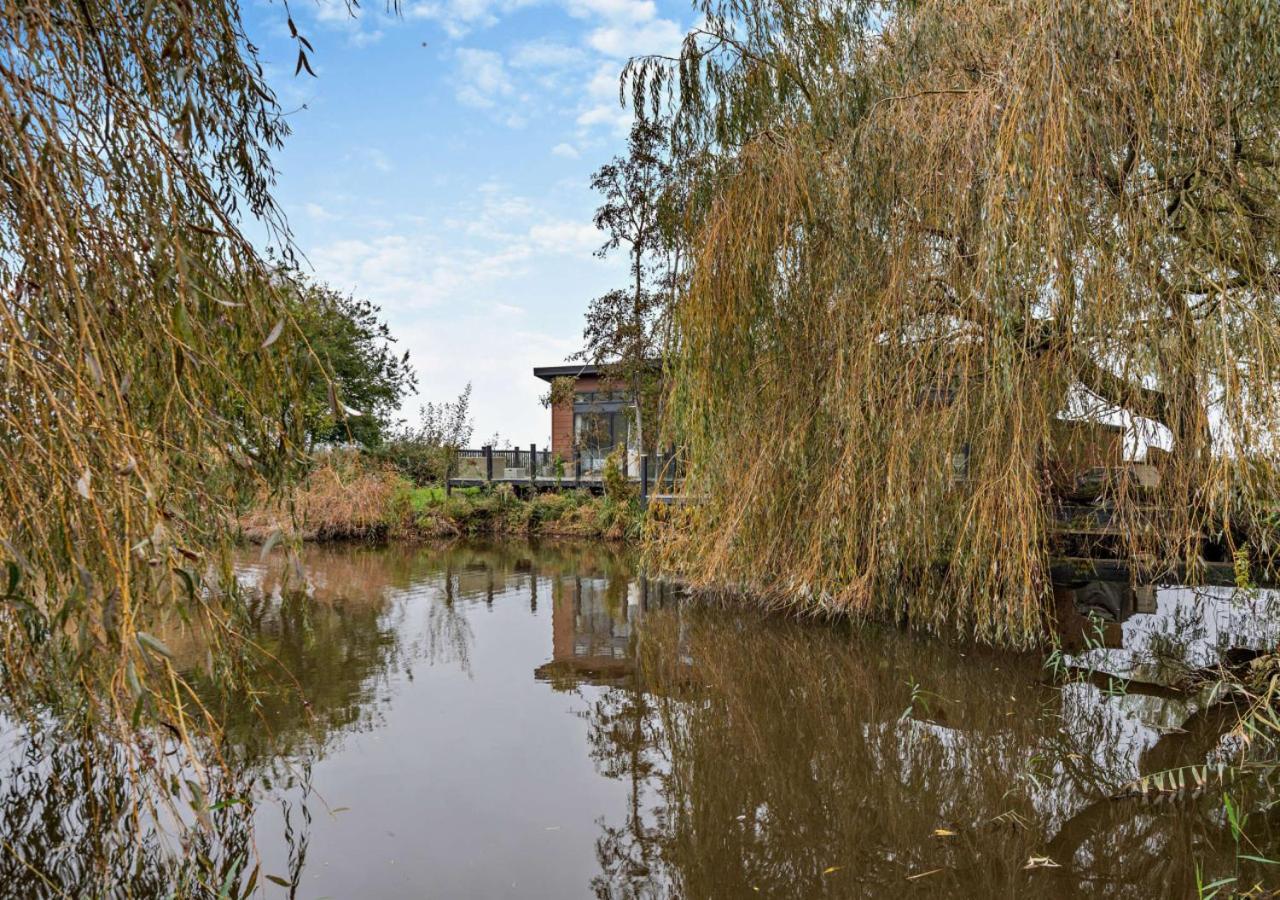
point(537, 721)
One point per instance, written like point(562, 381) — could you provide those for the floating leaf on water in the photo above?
point(273, 335)
point(943, 832)
point(923, 874)
point(829, 869)
point(154, 644)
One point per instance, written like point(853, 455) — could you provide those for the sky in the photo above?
point(440, 164)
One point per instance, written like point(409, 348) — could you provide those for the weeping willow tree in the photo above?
point(151, 373)
point(932, 233)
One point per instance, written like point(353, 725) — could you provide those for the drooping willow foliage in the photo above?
point(150, 371)
point(931, 234)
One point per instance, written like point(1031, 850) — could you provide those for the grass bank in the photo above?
point(347, 497)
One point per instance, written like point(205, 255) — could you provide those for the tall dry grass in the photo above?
point(344, 496)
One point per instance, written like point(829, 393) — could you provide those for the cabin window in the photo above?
point(596, 433)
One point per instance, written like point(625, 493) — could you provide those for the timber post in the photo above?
point(488, 463)
point(577, 468)
point(533, 463)
point(644, 477)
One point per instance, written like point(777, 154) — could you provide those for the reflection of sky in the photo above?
point(1104, 735)
point(1204, 622)
point(1192, 628)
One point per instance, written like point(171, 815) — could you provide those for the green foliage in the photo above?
point(427, 453)
point(365, 380)
point(617, 487)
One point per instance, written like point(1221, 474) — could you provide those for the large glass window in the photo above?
point(597, 432)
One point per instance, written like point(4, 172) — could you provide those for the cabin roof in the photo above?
point(577, 370)
point(581, 370)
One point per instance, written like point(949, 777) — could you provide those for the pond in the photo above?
point(517, 720)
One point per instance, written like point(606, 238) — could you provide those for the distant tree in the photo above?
point(426, 453)
point(446, 424)
point(368, 378)
point(623, 333)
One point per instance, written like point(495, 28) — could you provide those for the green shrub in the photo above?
point(616, 486)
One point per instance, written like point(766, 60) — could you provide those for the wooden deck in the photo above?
point(656, 475)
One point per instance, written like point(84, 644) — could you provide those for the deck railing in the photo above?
point(654, 472)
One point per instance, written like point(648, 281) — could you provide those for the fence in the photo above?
point(653, 471)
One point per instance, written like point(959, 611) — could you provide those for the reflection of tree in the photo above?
point(334, 632)
point(776, 758)
point(333, 628)
point(625, 745)
point(73, 825)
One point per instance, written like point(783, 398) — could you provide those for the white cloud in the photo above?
point(459, 17)
point(461, 291)
point(623, 41)
point(363, 27)
point(318, 213)
point(495, 349)
point(570, 238)
point(481, 78)
point(374, 157)
point(544, 54)
point(365, 38)
point(613, 10)
point(602, 107)
point(614, 117)
point(333, 11)
point(568, 151)
point(476, 244)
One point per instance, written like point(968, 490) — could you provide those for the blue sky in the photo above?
point(440, 168)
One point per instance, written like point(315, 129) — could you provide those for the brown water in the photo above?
point(537, 721)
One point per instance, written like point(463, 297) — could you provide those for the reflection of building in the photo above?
point(593, 626)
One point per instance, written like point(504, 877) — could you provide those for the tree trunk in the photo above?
point(638, 364)
point(636, 385)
